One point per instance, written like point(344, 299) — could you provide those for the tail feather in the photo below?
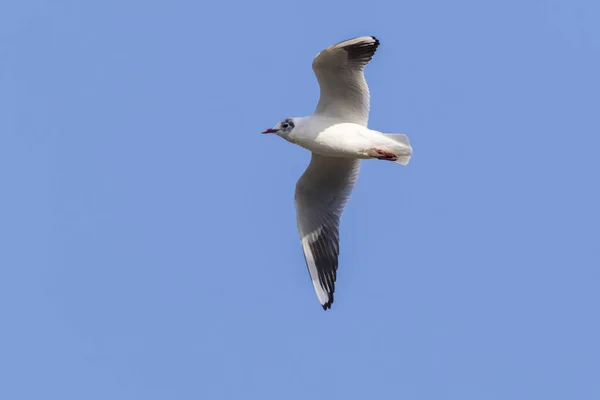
point(404, 150)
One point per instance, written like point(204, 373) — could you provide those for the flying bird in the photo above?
point(337, 135)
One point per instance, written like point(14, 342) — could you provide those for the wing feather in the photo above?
point(339, 70)
point(321, 193)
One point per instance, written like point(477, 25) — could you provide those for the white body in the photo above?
point(328, 137)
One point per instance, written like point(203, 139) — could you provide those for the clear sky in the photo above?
point(148, 235)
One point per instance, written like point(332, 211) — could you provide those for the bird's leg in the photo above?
point(385, 155)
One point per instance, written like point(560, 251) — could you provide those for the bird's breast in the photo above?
point(342, 140)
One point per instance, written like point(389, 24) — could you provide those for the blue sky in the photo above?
point(149, 246)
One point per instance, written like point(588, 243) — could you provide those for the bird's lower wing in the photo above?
point(321, 193)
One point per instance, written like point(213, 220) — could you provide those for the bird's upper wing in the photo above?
point(321, 193)
point(339, 70)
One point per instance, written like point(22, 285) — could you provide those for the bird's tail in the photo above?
point(401, 148)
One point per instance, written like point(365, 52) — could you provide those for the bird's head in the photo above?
point(283, 128)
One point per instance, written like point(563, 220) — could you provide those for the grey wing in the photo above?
point(339, 70)
point(321, 193)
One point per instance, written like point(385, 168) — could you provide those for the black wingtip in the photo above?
point(377, 42)
point(327, 305)
point(362, 51)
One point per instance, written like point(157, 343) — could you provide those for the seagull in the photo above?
point(337, 135)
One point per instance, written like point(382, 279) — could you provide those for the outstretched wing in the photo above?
point(339, 70)
point(321, 193)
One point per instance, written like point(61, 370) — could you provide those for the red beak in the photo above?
point(270, 130)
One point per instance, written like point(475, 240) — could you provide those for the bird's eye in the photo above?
point(285, 125)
